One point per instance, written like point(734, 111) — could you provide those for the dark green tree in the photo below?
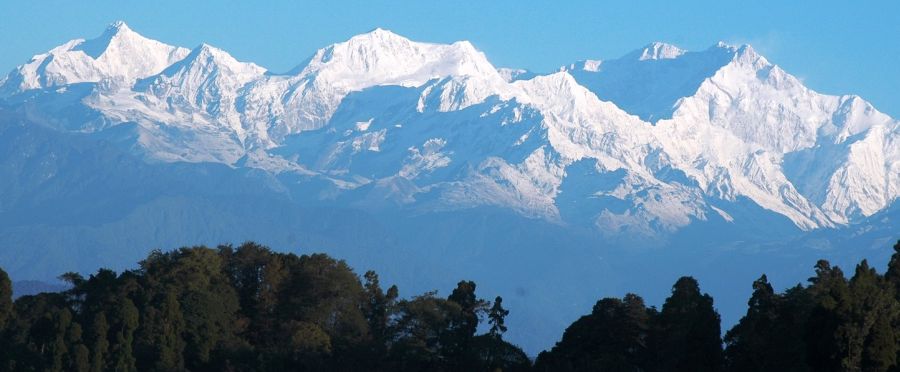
point(256, 274)
point(100, 342)
point(495, 354)
point(6, 303)
point(79, 355)
point(688, 331)
point(830, 292)
point(767, 337)
point(124, 316)
point(6, 313)
point(472, 309)
point(614, 337)
point(892, 274)
point(497, 318)
point(323, 292)
point(424, 334)
point(207, 299)
point(378, 309)
point(57, 347)
point(871, 341)
point(159, 340)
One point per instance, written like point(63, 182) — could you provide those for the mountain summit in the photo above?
point(658, 50)
point(118, 55)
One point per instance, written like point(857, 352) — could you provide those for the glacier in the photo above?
point(716, 163)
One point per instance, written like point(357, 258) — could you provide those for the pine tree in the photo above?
point(612, 338)
point(472, 307)
point(768, 337)
point(892, 275)
point(866, 330)
point(880, 353)
point(826, 346)
point(376, 307)
point(688, 330)
point(459, 347)
point(496, 318)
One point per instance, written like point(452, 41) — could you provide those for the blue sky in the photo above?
point(836, 47)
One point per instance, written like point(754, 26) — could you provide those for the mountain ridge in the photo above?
point(226, 110)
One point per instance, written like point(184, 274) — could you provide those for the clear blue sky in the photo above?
point(836, 47)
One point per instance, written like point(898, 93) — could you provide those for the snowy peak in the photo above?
point(205, 66)
point(560, 84)
point(382, 57)
point(589, 65)
point(307, 98)
point(746, 55)
point(512, 74)
point(118, 56)
point(648, 82)
point(380, 37)
point(116, 34)
point(559, 90)
point(206, 58)
point(657, 50)
point(208, 79)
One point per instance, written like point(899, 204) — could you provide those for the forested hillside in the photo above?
point(249, 308)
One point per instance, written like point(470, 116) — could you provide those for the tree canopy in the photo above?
point(248, 308)
point(245, 308)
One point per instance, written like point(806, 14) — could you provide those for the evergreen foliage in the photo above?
point(251, 309)
point(833, 324)
point(245, 309)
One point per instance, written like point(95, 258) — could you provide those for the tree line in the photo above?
point(831, 324)
point(248, 308)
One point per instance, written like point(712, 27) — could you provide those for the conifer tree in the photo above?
point(612, 338)
point(497, 318)
point(892, 275)
point(472, 307)
point(689, 337)
point(769, 336)
point(871, 341)
point(376, 306)
point(826, 350)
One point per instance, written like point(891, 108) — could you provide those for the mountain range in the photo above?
point(426, 162)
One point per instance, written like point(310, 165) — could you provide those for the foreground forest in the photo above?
point(248, 309)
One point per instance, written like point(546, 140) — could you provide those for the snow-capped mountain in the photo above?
point(118, 56)
point(686, 134)
point(380, 147)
